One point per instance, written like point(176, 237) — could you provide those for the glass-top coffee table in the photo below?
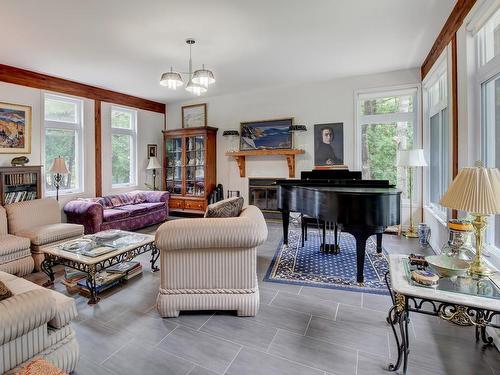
point(97, 252)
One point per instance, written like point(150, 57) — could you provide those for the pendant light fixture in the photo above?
point(198, 81)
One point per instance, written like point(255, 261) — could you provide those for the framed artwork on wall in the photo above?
point(15, 129)
point(266, 134)
point(194, 116)
point(329, 144)
point(152, 150)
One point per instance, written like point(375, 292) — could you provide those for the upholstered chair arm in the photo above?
point(156, 196)
point(246, 231)
point(87, 213)
point(24, 312)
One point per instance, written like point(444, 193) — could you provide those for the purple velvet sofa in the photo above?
point(127, 211)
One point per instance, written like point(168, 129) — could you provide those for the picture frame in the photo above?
point(329, 144)
point(152, 150)
point(15, 128)
point(266, 134)
point(194, 116)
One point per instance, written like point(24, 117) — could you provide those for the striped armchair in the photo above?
point(210, 263)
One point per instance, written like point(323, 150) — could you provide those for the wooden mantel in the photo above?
point(240, 157)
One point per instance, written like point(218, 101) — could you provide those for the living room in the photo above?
point(235, 187)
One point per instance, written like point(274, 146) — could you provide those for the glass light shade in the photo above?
point(172, 80)
point(203, 77)
point(412, 158)
point(194, 88)
point(154, 163)
point(59, 166)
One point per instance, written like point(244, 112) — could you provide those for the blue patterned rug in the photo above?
point(308, 266)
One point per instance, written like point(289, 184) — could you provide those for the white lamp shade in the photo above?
point(475, 190)
point(171, 79)
point(194, 88)
point(412, 158)
point(203, 77)
point(153, 163)
point(59, 166)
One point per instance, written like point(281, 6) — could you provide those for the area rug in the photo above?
point(308, 266)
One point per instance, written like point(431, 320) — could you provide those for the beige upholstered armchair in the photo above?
point(210, 263)
point(40, 221)
point(35, 322)
point(15, 254)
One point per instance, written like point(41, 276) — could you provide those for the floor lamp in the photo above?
point(153, 165)
point(58, 169)
point(411, 159)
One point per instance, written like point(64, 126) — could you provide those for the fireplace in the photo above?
point(262, 192)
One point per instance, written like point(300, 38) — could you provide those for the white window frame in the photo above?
point(132, 133)
point(441, 67)
point(385, 92)
point(78, 128)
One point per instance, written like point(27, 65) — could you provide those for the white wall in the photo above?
point(312, 103)
point(150, 125)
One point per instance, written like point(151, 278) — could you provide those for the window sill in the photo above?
point(64, 194)
point(437, 216)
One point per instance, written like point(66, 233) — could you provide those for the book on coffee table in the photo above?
point(122, 267)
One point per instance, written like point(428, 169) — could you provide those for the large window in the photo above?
point(488, 79)
point(387, 121)
point(63, 137)
point(123, 145)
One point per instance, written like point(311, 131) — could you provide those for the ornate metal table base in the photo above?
point(399, 318)
point(92, 269)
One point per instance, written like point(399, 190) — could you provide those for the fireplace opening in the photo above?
point(262, 192)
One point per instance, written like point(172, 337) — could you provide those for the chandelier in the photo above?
point(198, 81)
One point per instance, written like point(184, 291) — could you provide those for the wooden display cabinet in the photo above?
point(189, 168)
point(20, 184)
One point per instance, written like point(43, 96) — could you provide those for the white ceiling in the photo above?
point(125, 45)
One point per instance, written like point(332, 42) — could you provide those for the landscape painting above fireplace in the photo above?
point(266, 135)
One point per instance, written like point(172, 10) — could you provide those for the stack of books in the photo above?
point(104, 281)
point(19, 196)
point(71, 278)
point(127, 269)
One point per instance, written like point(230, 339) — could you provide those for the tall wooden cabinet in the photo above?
point(189, 167)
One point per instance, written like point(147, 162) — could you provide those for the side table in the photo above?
point(466, 302)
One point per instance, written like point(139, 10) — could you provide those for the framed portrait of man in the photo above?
point(329, 144)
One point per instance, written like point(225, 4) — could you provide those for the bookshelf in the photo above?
point(20, 184)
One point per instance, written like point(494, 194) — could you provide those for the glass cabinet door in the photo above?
point(174, 165)
point(195, 166)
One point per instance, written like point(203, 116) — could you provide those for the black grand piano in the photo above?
point(361, 207)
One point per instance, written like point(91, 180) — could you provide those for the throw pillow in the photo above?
point(4, 291)
point(230, 207)
point(38, 366)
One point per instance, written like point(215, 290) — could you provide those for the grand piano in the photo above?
point(362, 207)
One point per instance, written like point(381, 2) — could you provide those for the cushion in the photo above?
point(10, 244)
point(134, 209)
point(113, 214)
point(65, 306)
point(139, 197)
point(4, 291)
point(118, 200)
point(45, 234)
point(37, 366)
point(230, 207)
point(153, 206)
point(14, 256)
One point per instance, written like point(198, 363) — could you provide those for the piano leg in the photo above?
point(336, 249)
point(379, 243)
point(285, 215)
point(361, 238)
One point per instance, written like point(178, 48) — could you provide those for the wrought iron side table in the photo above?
point(55, 255)
point(465, 301)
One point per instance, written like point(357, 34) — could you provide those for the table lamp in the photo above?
point(476, 190)
point(153, 165)
point(58, 169)
point(411, 159)
point(233, 136)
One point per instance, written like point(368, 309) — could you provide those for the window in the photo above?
point(63, 137)
point(123, 146)
point(387, 121)
point(487, 42)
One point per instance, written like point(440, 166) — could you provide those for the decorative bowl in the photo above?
point(446, 266)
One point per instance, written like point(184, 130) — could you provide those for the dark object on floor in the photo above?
point(20, 161)
point(217, 195)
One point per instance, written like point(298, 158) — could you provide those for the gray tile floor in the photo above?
point(299, 330)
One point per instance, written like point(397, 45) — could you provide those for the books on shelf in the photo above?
point(123, 267)
point(20, 178)
point(19, 196)
point(111, 277)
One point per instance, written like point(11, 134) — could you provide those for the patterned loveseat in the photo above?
point(127, 211)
